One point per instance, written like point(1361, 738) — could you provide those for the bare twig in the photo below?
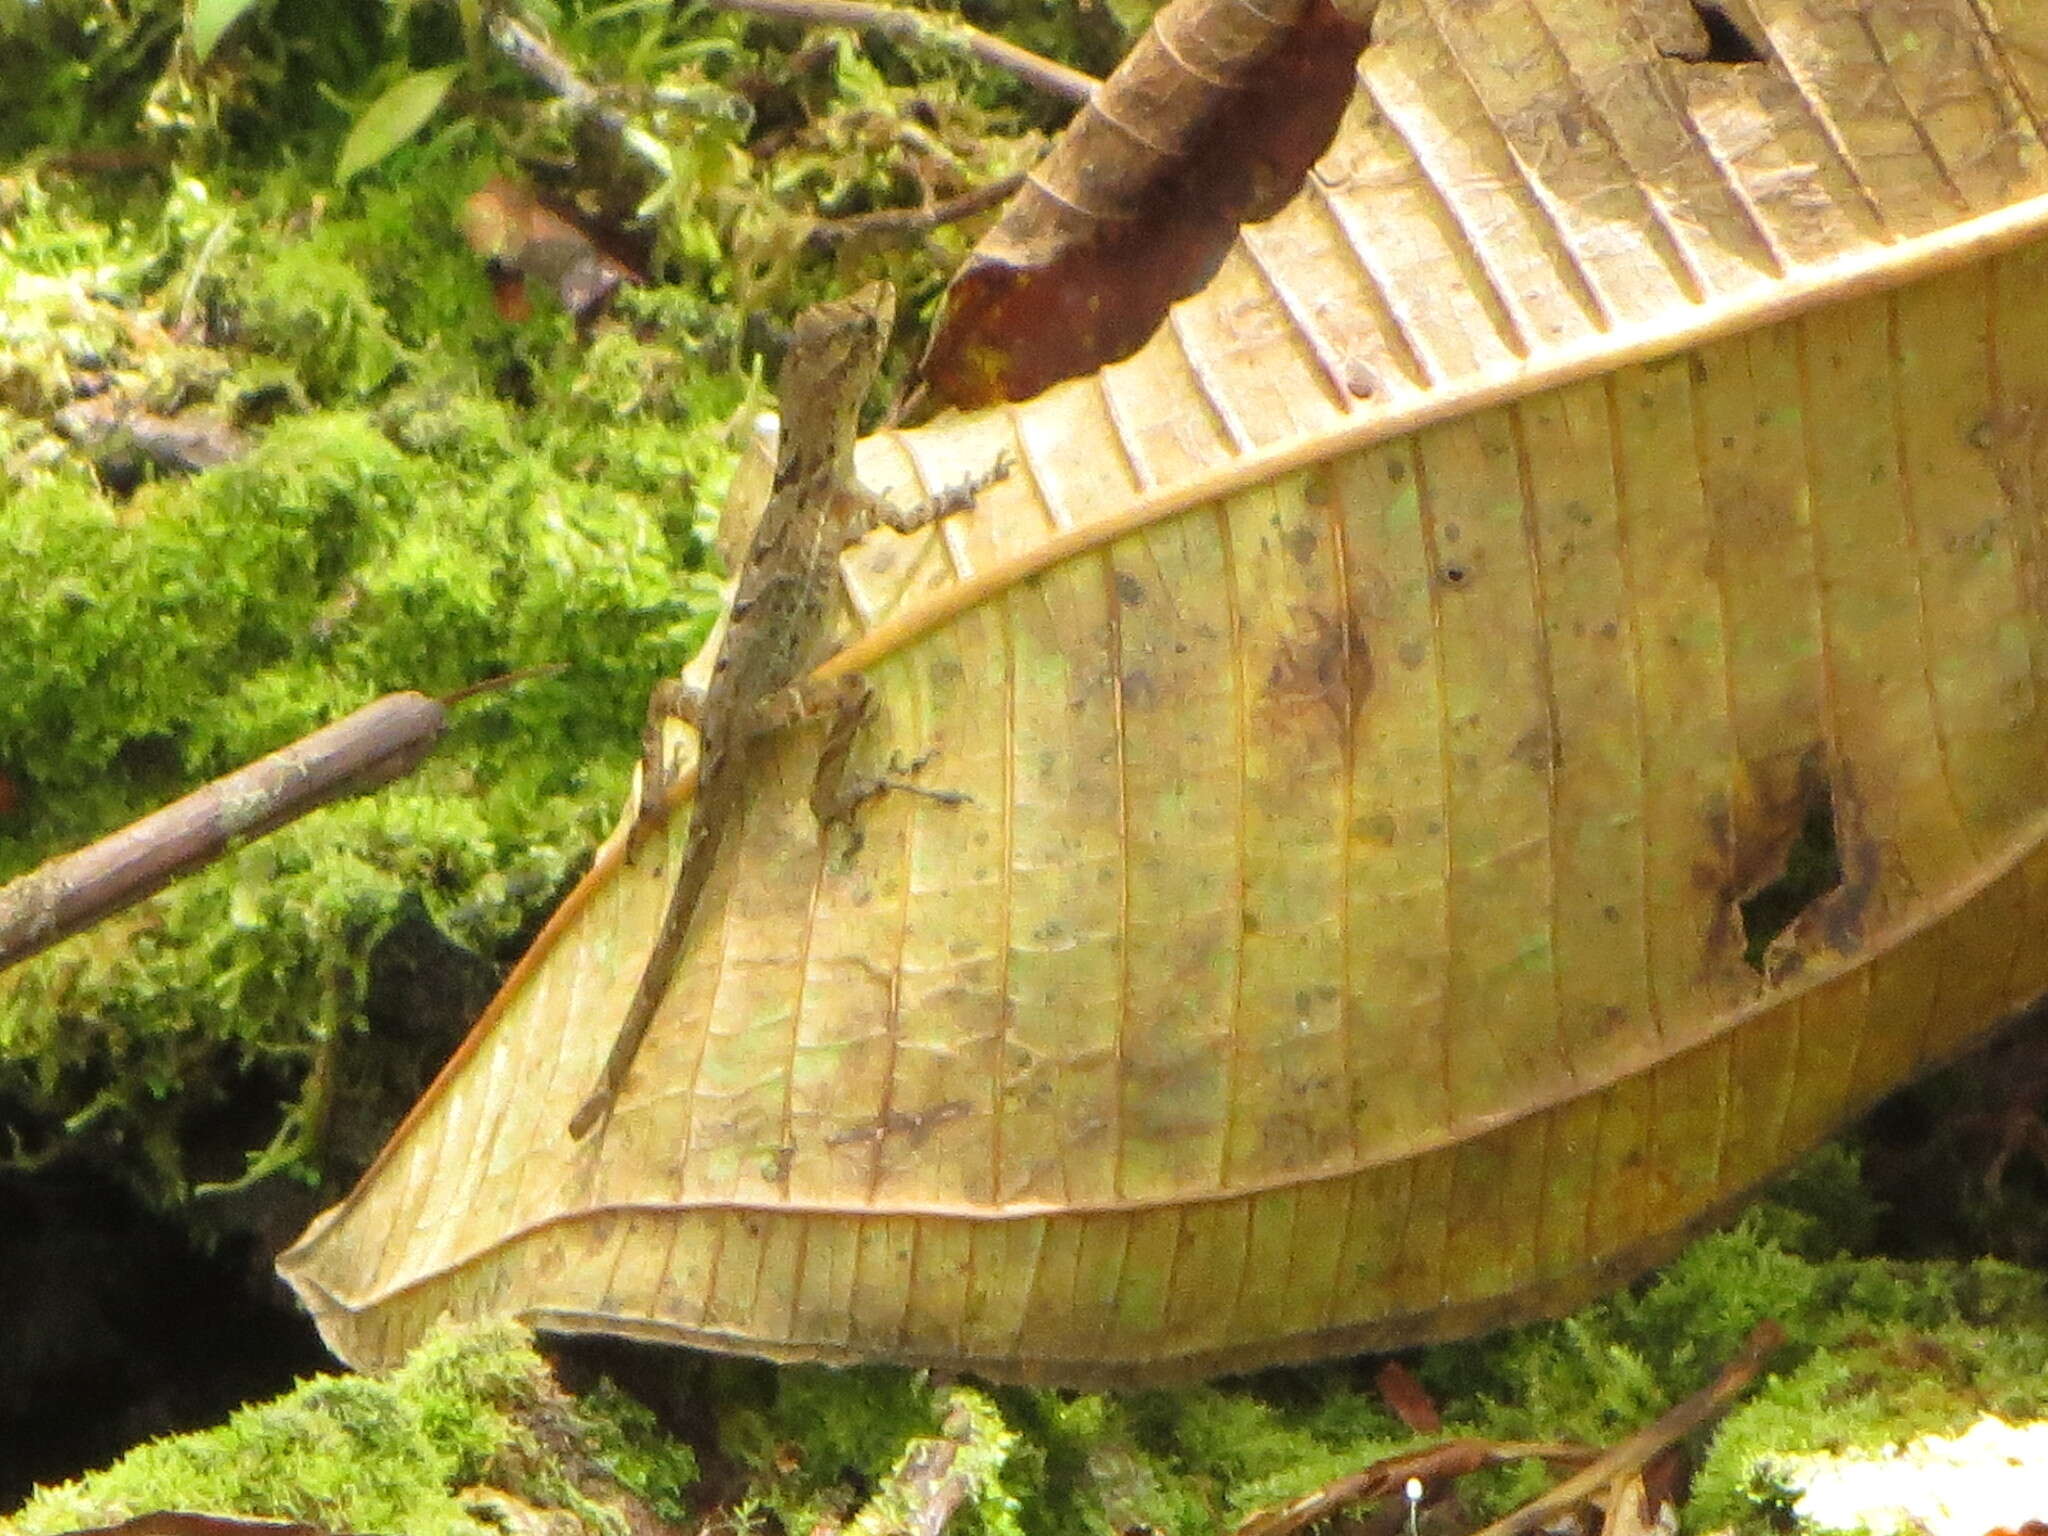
point(891, 223)
point(1632, 1454)
point(503, 680)
point(1035, 69)
point(382, 741)
point(1456, 1458)
point(1436, 1463)
point(531, 53)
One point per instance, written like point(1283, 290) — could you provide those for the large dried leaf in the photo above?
point(1377, 697)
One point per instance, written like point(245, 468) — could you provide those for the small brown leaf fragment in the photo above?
point(1211, 122)
point(117, 432)
point(186, 1522)
point(524, 237)
point(1407, 1398)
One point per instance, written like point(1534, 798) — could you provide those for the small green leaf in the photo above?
point(393, 118)
point(210, 18)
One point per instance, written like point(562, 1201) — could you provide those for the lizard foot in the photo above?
point(850, 794)
point(902, 775)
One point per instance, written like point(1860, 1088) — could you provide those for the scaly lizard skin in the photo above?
point(778, 625)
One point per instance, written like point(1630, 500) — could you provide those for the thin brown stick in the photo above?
point(1048, 75)
point(893, 223)
point(504, 680)
point(1634, 1453)
point(384, 740)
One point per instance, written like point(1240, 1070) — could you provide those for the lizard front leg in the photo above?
point(880, 512)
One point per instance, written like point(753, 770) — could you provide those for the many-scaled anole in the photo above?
point(787, 587)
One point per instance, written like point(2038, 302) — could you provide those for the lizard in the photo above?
point(776, 626)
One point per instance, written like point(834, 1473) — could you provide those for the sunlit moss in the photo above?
point(1878, 1351)
point(407, 1453)
point(418, 532)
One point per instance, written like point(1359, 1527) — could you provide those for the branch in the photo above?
point(888, 223)
point(1048, 75)
point(382, 741)
point(1456, 1458)
point(530, 53)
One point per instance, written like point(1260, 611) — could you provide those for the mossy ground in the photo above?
point(432, 494)
point(1880, 1350)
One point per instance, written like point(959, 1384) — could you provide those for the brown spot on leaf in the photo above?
point(913, 1126)
point(1323, 662)
point(1535, 749)
point(1302, 544)
point(1379, 828)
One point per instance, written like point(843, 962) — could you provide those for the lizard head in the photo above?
point(836, 348)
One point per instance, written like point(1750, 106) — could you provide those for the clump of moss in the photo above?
point(472, 1414)
point(208, 620)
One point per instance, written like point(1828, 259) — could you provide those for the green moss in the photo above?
point(469, 1407)
point(427, 536)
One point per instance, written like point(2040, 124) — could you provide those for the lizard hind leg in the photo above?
point(837, 791)
point(671, 699)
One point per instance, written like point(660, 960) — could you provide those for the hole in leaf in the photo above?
point(1727, 43)
point(1813, 867)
